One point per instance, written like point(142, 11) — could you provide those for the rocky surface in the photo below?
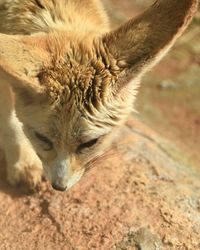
point(138, 197)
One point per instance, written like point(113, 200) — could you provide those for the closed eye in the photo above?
point(88, 144)
point(48, 144)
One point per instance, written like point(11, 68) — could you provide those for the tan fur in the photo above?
point(73, 82)
point(33, 16)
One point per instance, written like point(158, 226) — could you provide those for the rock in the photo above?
point(167, 84)
point(143, 239)
point(141, 196)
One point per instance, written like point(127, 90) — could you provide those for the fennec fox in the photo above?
point(67, 83)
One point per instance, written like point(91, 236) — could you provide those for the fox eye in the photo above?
point(88, 144)
point(45, 140)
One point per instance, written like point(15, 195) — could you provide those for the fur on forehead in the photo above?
point(82, 79)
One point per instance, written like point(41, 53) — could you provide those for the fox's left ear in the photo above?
point(21, 58)
point(141, 42)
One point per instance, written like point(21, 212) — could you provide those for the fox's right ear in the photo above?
point(25, 88)
point(140, 43)
point(20, 61)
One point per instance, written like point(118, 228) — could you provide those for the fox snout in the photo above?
point(61, 174)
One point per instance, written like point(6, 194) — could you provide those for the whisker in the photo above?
point(98, 159)
point(110, 153)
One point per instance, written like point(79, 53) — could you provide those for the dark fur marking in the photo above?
point(39, 4)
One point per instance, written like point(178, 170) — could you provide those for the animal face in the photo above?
point(72, 118)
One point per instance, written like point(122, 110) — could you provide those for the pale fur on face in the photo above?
point(74, 86)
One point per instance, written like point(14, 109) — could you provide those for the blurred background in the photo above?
point(169, 97)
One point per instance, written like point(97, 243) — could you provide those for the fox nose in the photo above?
point(58, 187)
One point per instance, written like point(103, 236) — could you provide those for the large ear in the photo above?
point(21, 59)
point(142, 42)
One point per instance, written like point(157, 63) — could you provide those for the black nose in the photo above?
point(58, 188)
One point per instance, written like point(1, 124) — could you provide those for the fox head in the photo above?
point(72, 95)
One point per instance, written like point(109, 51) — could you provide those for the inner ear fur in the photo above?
point(141, 42)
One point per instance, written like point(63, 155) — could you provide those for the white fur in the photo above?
point(60, 173)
